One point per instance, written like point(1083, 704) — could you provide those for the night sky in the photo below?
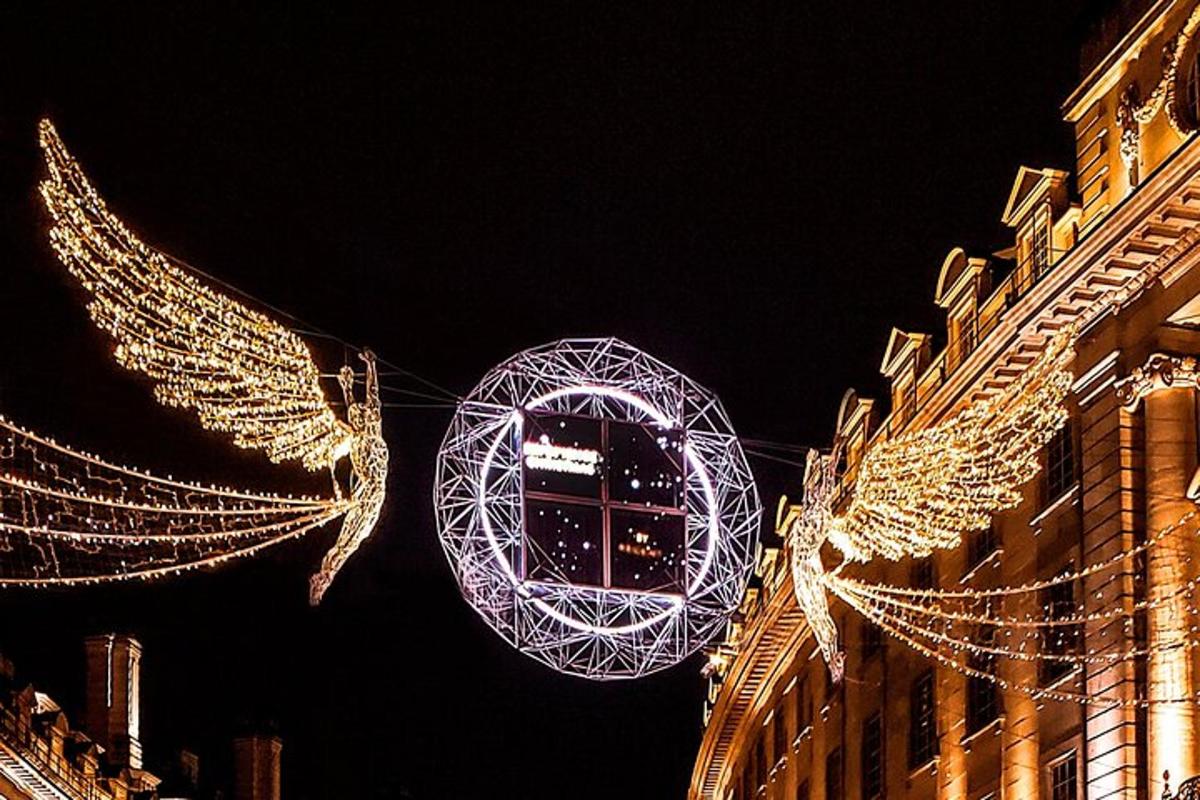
point(755, 193)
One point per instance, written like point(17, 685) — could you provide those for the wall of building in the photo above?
point(1134, 237)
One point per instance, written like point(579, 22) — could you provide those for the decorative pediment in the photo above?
point(899, 347)
point(957, 273)
point(1030, 187)
point(852, 411)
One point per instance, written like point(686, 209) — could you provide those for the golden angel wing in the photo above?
point(242, 372)
point(925, 489)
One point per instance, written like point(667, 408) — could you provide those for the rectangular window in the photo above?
point(872, 639)
point(833, 774)
point(779, 737)
point(923, 575)
point(981, 545)
point(904, 400)
point(962, 337)
point(1039, 251)
point(1059, 640)
point(1063, 779)
point(604, 504)
point(1060, 464)
point(922, 722)
point(803, 706)
point(983, 702)
point(872, 757)
point(758, 770)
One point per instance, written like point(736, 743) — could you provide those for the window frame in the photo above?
point(606, 505)
point(1059, 605)
point(874, 772)
point(1062, 465)
point(922, 728)
point(984, 703)
point(1071, 759)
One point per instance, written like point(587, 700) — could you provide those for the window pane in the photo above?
point(922, 732)
point(646, 465)
point(923, 576)
point(1060, 464)
point(983, 703)
point(1059, 640)
point(872, 639)
point(564, 543)
point(648, 551)
point(561, 455)
point(833, 775)
point(872, 757)
point(980, 545)
point(1063, 779)
point(780, 735)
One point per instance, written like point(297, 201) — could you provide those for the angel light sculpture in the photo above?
point(67, 517)
point(924, 489)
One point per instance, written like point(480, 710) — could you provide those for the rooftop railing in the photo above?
point(987, 317)
point(35, 747)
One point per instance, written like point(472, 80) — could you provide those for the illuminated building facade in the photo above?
point(42, 757)
point(1124, 232)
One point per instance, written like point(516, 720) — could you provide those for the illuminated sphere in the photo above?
point(596, 508)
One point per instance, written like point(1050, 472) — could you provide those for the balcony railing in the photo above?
point(987, 317)
point(34, 747)
point(1188, 790)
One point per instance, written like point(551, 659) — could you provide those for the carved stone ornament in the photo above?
point(1127, 112)
point(1132, 111)
point(1161, 371)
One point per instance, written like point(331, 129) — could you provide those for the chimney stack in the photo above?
point(113, 698)
point(256, 772)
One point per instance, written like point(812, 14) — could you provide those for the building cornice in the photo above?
point(1161, 371)
point(1145, 240)
point(775, 636)
point(1139, 244)
point(1101, 80)
point(23, 773)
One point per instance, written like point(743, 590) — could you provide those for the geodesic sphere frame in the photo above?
point(593, 631)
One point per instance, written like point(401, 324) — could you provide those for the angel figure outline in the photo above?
point(67, 517)
point(924, 489)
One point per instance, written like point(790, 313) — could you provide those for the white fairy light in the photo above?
point(611, 631)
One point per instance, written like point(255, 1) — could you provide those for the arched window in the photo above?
point(1191, 89)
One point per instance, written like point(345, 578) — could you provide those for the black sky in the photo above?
point(753, 192)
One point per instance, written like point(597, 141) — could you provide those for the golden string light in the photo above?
point(905, 620)
point(241, 371)
point(1037, 693)
point(1065, 577)
point(923, 489)
point(68, 517)
point(934, 609)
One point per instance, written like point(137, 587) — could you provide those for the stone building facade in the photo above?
point(44, 757)
point(1114, 245)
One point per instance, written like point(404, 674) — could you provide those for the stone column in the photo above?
point(1170, 416)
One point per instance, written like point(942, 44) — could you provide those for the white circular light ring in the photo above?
point(600, 633)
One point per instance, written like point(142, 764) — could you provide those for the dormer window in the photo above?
point(903, 397)
point(904, 361)
point(960, 285)
point(1035, 244)
point(853, 428)
point(1037, 202)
